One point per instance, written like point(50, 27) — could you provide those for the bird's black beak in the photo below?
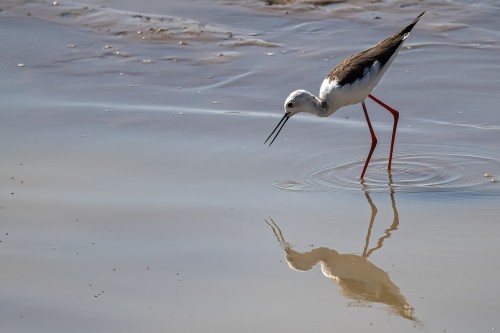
point(282, 123)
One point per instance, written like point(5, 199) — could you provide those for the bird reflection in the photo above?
point(394, 226)
point(360, 280)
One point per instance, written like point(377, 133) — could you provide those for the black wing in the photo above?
point(352, 68)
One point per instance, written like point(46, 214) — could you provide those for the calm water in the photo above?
point(138, 195)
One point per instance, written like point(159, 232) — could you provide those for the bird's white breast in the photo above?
point(337, 95)
point(341, 95)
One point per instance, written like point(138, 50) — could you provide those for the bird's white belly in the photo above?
point(354, 93)
point(338, 96)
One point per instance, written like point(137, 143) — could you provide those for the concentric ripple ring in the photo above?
point(429, 172)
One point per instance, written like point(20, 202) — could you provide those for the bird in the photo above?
point(350, 82)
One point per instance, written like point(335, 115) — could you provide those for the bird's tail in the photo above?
point(410, 26)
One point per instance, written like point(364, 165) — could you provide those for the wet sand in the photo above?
point(138, 195)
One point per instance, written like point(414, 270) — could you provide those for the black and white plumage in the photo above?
point(351, 82)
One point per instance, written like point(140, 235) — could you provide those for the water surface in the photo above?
point(136, 186)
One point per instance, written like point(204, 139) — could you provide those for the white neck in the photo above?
point(315, 107)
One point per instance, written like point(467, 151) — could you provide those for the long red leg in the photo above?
point(395, 114)
point(374, 140)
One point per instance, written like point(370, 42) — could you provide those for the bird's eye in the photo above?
point(290, 105)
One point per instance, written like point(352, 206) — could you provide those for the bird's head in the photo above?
point(297, 101)
point(301, 101)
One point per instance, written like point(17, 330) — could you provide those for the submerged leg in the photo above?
point(395, 114)
point(374, 140)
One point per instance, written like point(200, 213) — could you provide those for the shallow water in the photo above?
point(138, 194)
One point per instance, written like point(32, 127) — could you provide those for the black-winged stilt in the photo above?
point(350, 82)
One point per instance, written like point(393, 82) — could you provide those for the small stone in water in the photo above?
point(21, 65)
point(493, 180)
point(55, 3)
point(487, 174)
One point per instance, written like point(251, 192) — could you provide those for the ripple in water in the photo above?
point(435, 173)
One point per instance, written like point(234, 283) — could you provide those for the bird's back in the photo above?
point(353, 68)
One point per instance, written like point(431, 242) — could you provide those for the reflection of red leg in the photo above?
point(374, 140)
point(395, 114)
